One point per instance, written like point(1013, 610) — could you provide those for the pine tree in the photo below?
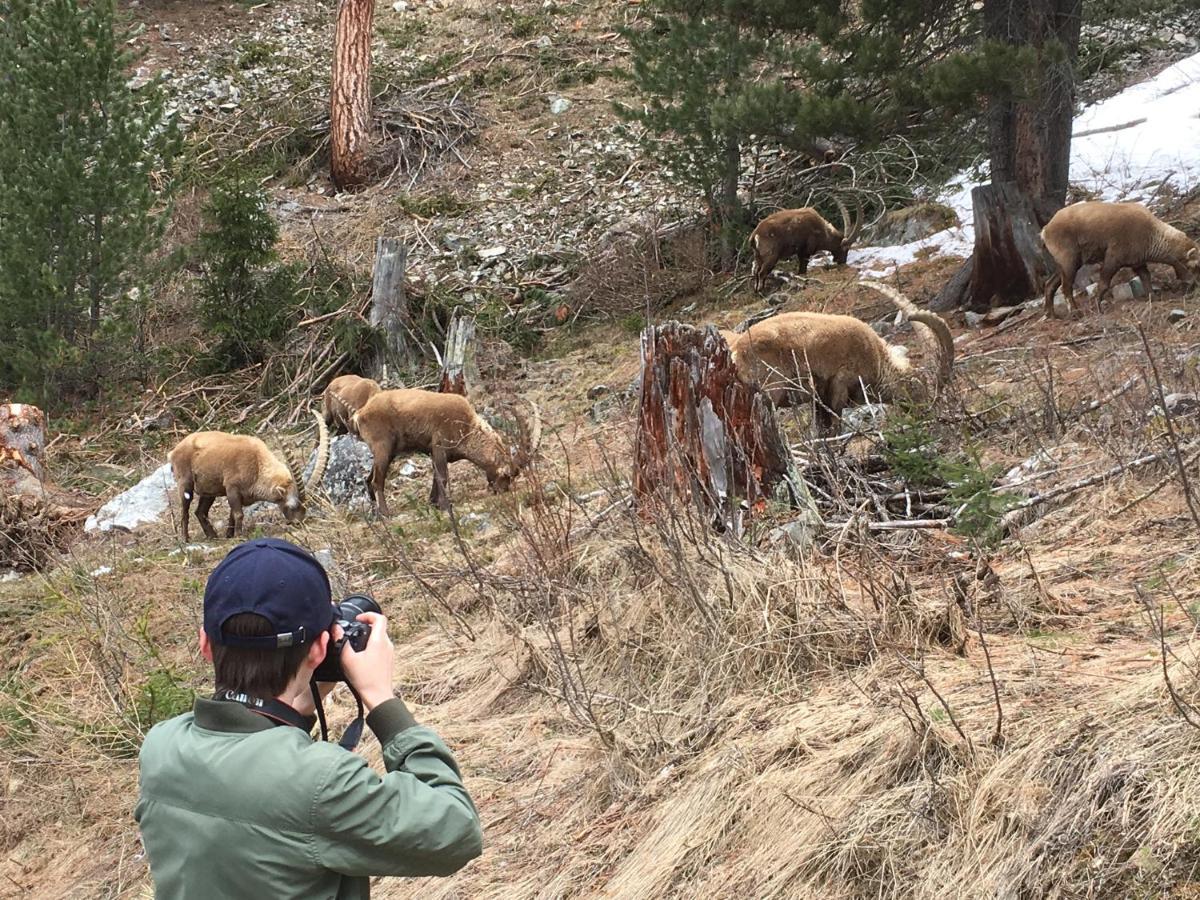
point(721, 77)
point(84, 182)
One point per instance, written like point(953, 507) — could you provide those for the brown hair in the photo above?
point(252, 670)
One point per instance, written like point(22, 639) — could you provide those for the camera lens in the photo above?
point(355, 604)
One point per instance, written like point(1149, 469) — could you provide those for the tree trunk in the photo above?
point(389, 307)
point(705, 438)
point(1010, 260)
point(1030, 149)
point(459, 371)
point(350, 94)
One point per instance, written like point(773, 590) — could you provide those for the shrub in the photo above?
point(247, 298)
point(85, 179)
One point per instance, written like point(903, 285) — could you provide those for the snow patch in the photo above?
point(145, 502)
point(1125, 147)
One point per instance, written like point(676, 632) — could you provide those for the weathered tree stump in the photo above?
point(703, 436)
point(22, 446)
point(389, 308)
point(1009, 262)
point(350, 94)
point(36, 519)
point(459, 370)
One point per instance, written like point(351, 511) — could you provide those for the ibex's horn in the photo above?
point(318, 472)
point(531, 436)
point(850, 229)
point(296, 469)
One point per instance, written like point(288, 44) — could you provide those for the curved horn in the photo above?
point(845, 219)
point(318, 471)
point(942, 345)
point(296, 469)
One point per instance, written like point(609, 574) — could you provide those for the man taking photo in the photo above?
point(237, 800)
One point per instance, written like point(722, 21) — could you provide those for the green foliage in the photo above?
point(248, 299)
point(912, 452)
point(720, 78)
point(162, 697)
point(85, 180)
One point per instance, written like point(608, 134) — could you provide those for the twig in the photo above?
point(1171, 436)
point(1156, 620)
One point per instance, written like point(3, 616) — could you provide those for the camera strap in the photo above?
point(275, 710)
point(353, 734)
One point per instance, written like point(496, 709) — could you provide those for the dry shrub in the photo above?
point(33, 532)
point(641, 270)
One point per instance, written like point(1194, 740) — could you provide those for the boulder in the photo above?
point(912, 223)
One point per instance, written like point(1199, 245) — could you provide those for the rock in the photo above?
point(544, 42)
point(492, 252)
point(912, 223)
point(1129, 290)
point(345, 480)
point(796, 536)
point(103, 570)
point(1176, 315)
point(559, 105)
point(597, 390)
point(325, 557)
point(10, 575)
point(408, 470)
point(400, 6)
point(480, 522)
point(868, 417)
point(973, 319)
point(145, 502)
point(1182, 404)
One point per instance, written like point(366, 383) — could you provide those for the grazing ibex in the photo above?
point(800, 233)
point(344, 396)
point(802, 355)
point(211, 464)
point(446, 427)
point(1118, 235)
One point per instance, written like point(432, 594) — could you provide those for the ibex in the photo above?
point(210, 464)
point(800, 356)
point(344, 396)
point(800, 233)
point(446, 427)
point(1118, 235)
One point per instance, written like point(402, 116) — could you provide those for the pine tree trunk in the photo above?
point(22, 444)
point(350, 93)
point(1010, 260)
point(729, 209)
point(704, 438)
point(1030, 149)
point(389, 307)
point(459, 371)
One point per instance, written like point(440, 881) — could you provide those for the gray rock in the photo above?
point(1176, 315)
point(345, 480)
point(974, 319)
point(796, 536)
point(481, 523)
point(912, 223)
point(1182, 404)
point(597, 390)
point(559, 105)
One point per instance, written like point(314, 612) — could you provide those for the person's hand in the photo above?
point(370, 671)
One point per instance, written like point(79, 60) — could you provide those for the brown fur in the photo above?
point(344, 396)
point(801, 233)
point(211, 464)
point(446, 427)
point(802, 355)
point(1117, 235)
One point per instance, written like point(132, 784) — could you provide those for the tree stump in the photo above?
point(459, 370)
point(350, 94)
point(389, 307)
point(1010, 262)
point(36, 519)
point(22, 447)
point(703, 436)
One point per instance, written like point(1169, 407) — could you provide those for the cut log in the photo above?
point(36, 519)
point(459, 371)
point(22, 445)
point(389, 308)
point(1010, 262)
point(350, 94)
point(705, 438)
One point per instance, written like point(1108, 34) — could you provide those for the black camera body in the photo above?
point(354, 632)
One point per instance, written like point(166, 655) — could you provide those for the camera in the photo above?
point(353, 632)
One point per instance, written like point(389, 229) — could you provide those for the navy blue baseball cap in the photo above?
point(271, 578)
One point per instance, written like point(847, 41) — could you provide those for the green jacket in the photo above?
point(235, 805)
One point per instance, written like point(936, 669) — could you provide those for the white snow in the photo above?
point(1161, 142)
point(103, 570)
point(145, 502)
